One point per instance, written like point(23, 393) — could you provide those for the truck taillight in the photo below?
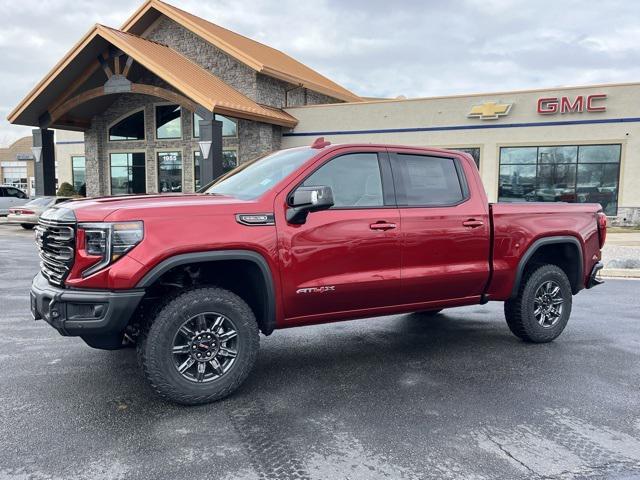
point(602, 228)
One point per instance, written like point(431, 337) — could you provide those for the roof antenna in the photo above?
point(320, 142)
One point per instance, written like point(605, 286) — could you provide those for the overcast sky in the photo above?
point(373, 47)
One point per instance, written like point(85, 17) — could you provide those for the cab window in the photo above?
point(354, 179)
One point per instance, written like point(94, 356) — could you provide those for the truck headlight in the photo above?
point(110, 241)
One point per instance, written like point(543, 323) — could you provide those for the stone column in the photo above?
point(211, 167)
point(45, 165)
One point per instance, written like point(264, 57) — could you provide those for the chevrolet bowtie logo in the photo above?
point(489, 110)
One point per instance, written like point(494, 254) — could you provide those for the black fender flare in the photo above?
point(541, 242)
point(269, 312)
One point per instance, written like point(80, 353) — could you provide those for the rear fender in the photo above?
point(577, 283)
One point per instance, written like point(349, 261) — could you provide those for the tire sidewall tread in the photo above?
point(519, 310)
point(157, 339)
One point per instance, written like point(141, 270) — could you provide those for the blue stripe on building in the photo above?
point(463, 127)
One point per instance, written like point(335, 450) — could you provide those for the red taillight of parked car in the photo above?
point(602, 228)
point(20, 211)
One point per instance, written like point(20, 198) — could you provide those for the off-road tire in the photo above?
point(27, 226)
point(155, 346)
point(518, 311)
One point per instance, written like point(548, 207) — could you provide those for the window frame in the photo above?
point(132, 151)
point(577, 164)
point(386, 179)
point(121, 118)
point(155, 121)
point(398, 177)
point(193, 126)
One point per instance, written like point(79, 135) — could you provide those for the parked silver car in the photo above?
point(11, 197)
point(28, 214)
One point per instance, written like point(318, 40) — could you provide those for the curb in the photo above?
point(620, 272)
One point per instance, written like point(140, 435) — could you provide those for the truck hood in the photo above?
point(129, 207)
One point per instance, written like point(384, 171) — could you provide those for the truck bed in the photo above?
point(516, 226)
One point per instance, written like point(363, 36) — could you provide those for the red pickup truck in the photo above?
point(303, 236)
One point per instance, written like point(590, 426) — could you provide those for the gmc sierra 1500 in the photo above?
point(302, 236)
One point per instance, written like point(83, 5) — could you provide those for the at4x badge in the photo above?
point(328, 288)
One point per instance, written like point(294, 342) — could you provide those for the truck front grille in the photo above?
point(56, 242)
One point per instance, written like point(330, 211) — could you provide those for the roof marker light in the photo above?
point(320, 142)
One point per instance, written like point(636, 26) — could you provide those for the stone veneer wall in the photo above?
point(253, 139)
point(98, 147)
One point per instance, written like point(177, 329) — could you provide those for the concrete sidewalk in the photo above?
point(621, 255)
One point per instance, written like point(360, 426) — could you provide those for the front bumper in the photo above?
point(98, 316)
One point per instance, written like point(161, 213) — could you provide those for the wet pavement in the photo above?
point(399, 397)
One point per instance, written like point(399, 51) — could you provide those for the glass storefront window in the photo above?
point(518, 155)
point(169, 172)
point(577, 173)
point(557, 154)
point(130, 128)
point(127, 173)
point(473, 151)
point(168, 121)
point(15, 174)
point(599, 154)
point(229, 126)
point(229, 160)
point(516, 181)
point(78, 175)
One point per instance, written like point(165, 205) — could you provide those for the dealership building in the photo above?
point(170, 101)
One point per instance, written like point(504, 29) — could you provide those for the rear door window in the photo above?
point(425, 181)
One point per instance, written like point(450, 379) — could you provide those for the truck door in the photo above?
point(445, 227)
point(348, 257)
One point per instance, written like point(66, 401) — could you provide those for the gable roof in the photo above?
point(196, 83)
point(260, 57)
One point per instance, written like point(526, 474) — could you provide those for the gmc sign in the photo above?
point(581, 103)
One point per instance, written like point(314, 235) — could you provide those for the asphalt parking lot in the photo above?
point(400, 397)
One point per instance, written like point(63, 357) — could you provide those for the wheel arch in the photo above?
point(265, 303)
point(564, 251)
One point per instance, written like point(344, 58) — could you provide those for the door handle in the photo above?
point(382, 226)
point(473, 223)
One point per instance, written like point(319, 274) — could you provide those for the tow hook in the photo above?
point(594, 279)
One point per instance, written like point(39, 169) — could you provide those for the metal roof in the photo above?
point(193, 81)
point(256, 55)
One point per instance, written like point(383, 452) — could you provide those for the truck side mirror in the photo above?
point(305, 200)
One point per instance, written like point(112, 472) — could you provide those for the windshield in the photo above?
point(252, 179)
